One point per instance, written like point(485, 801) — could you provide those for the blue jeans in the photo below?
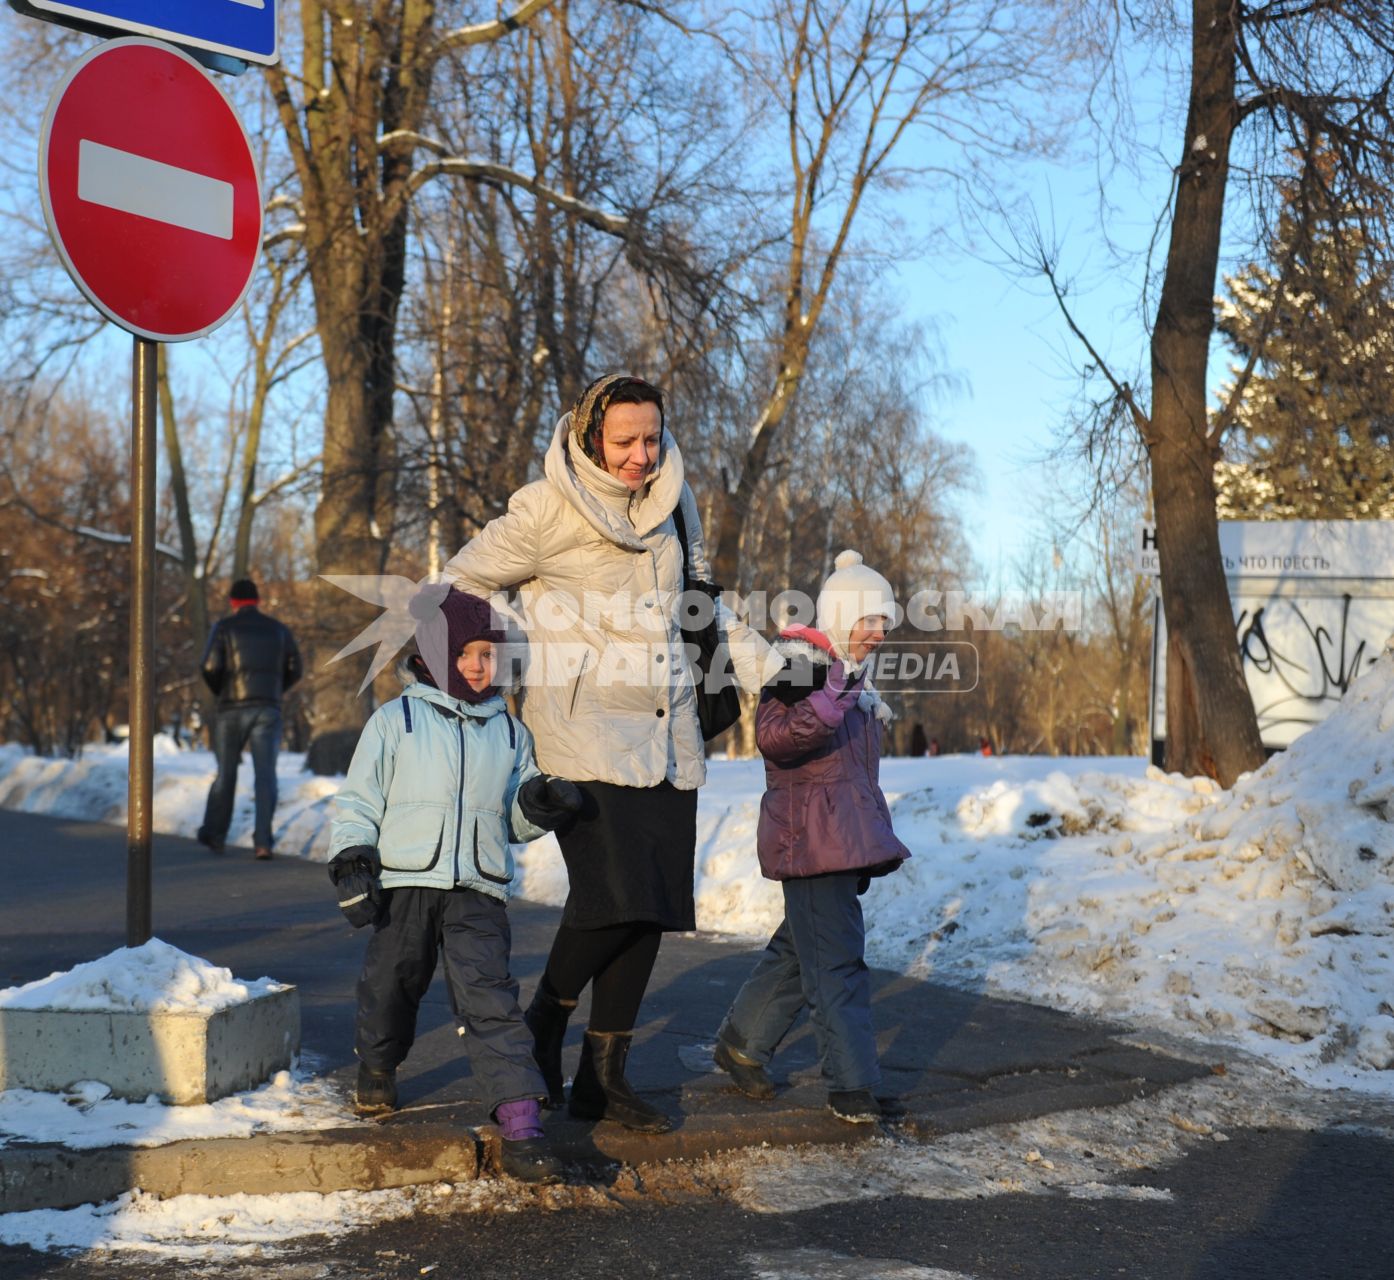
point(815, 960)
point(236, 727)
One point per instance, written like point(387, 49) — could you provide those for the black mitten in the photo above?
point(548, 802)
point(355, 875)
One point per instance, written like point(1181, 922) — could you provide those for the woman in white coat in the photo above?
point(594, 554)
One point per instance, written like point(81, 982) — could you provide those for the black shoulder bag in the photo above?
point(717, 708)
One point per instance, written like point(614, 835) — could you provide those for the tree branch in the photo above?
point(1121, 390)
point(286, 481)
point(488, 32)
point(501, 177)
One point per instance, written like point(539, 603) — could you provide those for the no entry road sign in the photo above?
point(150, 190)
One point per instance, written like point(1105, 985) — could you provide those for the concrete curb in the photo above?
point(378, 1157)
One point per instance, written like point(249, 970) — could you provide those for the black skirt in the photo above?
point(629, 856)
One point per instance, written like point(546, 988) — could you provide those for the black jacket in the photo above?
point(251, 659)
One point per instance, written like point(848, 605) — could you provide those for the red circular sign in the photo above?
point(150, 189)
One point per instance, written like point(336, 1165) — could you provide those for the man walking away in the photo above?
point(250, 661)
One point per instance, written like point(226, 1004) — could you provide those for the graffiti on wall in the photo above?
point(1301, 655)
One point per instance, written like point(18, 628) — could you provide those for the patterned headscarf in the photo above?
point(588, 413)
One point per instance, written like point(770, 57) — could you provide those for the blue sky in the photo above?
point(1003, 333)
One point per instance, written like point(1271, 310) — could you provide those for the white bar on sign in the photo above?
point(150, 189)
point(252, 4)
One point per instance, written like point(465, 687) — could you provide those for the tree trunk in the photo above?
point(1211, 725)
point(356, 253)
point(246, 494)
point(727, 542)
point(348, 540)
point(195, 585)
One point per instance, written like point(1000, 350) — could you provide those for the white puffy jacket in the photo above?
point(607, 691)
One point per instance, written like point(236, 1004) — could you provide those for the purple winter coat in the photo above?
point(822, 809)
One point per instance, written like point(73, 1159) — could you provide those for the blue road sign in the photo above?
point(236, 29)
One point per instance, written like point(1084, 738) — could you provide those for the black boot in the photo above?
point(600, 1091)
point(529, 1160)
point(376, 1093)
point(856, 1106)
point(546, 1018)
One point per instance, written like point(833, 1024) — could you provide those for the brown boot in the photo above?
point(746, 1073)
point(600, 1091)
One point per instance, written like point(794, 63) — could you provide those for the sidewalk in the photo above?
point(958, 1060)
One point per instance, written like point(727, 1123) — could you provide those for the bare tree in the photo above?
point(1265, 81)
point(356, 114)
point(514, 303)
point(852, 79)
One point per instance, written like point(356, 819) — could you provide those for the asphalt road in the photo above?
point(1267, 1205)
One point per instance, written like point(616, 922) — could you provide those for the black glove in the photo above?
point(355, 875)
point(548, 802)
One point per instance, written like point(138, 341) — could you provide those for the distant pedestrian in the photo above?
point(250, 661)
point(933, 746)
point(442, 780)
point(919, 744)
point(984, 746)
point(824, 831)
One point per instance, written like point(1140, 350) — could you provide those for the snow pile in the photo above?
point(1060, 805)
point(1265, 914)
point(152, 978)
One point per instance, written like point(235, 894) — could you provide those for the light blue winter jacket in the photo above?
point(433, 788)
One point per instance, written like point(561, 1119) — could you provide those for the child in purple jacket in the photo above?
point(824, 832)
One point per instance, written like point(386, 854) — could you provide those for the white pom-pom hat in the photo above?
point(853, 591)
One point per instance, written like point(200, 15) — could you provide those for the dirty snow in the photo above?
point(1121, 1152)
point(1262, 916)
point(87, 1116)
point(202, 1227)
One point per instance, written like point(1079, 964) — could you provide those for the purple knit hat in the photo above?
point(445, 625)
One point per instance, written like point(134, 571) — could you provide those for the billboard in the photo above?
point(1313, 608)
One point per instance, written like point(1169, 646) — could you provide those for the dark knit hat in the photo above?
point(466, 618)
point(243, 589)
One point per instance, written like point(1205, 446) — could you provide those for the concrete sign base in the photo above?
point(181, 1058)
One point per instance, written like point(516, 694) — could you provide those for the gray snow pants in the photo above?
point(471, 930)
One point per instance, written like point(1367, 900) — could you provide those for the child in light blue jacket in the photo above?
point(441, 780)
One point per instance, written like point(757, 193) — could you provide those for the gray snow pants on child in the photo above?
point(815, 959)
point(471, 930)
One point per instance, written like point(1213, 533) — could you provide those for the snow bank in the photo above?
point(94, 789)
point(1264, 914)
point(1269, 914)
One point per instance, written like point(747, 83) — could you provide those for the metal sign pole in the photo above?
point(142, 669)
